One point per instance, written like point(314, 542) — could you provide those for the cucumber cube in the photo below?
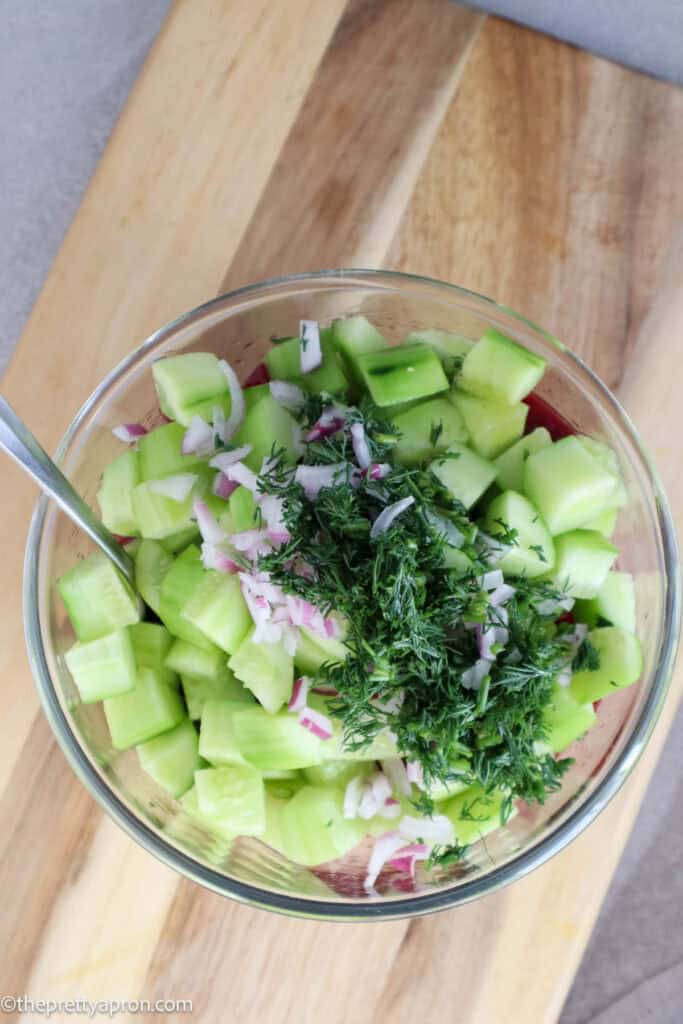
point(615, 603)
point(265, 669)
point(216, 825)
point(152, 563)
point(177, 588)
point(150, 708)
point(582, 560)
point(266, 426)
point(607, 458)
point(218, 611)
point(497, 367)
point(426, 428)
point(272, 833)
point(234, 794)
point(160, 453)
point(180, 540)
point(205, 409)
point(314, 651)
point(115, 496)
point(151, 643)
point(567, 484)
point(605, 523)
point(201, 662)
point(439, 791)
point(158, 516)
point(255, 394)
point(217, 741)
point(314, 829)
point(492, 426)
point(565, 720)
point(337, 773)
point(284, 363)
point(464, 474)
point(283, 359)
point(103, 667)
point(186, 379)
point(532, 554)
point(402, 374)
point(621, 663)
point(510, 464)
point(172, 758)
point(97, 598)
point(354, 337)
point(279, 741)
point(198, 691)
point(474, 813)
point(448, 346)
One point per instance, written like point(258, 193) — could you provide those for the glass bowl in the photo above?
point(238, 327)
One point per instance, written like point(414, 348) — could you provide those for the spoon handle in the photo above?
point(19, 443)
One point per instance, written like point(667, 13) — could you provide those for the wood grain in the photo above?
point(389, 132)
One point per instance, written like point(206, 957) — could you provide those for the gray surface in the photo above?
point(647, 34)
point(65, 73)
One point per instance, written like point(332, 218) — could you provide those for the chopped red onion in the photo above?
point(553, 606)
point(129, 432)
point(378, 470)
point(384, 849)
point(297, 440)
point(454, 537)
point(437, 830)
point(415, 773)
point(222, 487)
point(395, 771)
point(352, 797)
point(224, 460)
point(473, 677)
point(237, 406)
point(406, 858)
point(252, 543)
point(208, 527)
point(331, 422)
point(492, 580)
point(325, 691)
point(290, 639)
point(389, 514)
point(501, 595)
point(317, 723)
point(177, 487)
point(311, 354)
point(242, 475)
point(361, 448)
point(381, 787)
point(198, 439)
point(287, 394)
point(564, 676)
point(215, 558)
point(492, 549)
point(297, 701)
point(390, 809)
point(486, 638)
point(314, 478)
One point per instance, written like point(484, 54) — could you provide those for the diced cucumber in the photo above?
point(160, 454)
point(474, 813)
point(582, 560)
point(177, 588)
point(115, 496)
point(510, 464)
point(621, 663)
point(354, 337)
point(200, 662)
point(492, 426)
point(284, 363)
point(383, 746)
point(151, 565)
point(102, 668)
point(180, 540)
point(217, 609)
point(198, 691)
point(283, 788)
point(151, 642)
point(212, 823)
point(426, 428)
point(279, 741)
point(233, 793)
point(336, 773)
point(457, 561)
point(272, 833)
point(448, 346)
point(314, 651)
point(206, 409)
point(98, 598)
point(172, 758)
point(565, 720)
point(615, 603)
point(567, 485)
point(217, 741)
point(150, 708)
point(283, 359)
point(186, 379)
point(267, 425)
point(439, 791)
point(497, 367)
point(607, 458)
point(402, 374)
point(265, 669)
point(532, 554)
point(605, 523)
point(464, 474)
point(157, 515)
point(254, 395)
point(314, 828)
point(242, 508)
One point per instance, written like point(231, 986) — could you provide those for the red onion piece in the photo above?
point(129, 432)
point(314, 478)
point(352, 797)
point(437, 830)
point(361, 448)
point(453, 536)
point(287, 394)
point(389, 514)
point(415, 774)
point(492, 580)
point(473, 677)
point(407, 857)
point(215, 558)
point(237, 406)
point(384, 849)
point(199, 438)
point(564, 676)
point(224, 460)
point(395, 771)
point(177, 487)
point(222, 487)
point(297, 702)
point(311, 354)
point(378, 470)
point(325, 691)
point(317, 723)
point(242, 475)
point(501, 595)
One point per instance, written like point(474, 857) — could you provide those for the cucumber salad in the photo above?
point(371, 608)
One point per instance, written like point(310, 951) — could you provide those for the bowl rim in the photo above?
point(518, 865)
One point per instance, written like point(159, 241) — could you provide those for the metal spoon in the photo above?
point(19, 443)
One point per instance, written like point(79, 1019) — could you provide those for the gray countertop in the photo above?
point(65, 74)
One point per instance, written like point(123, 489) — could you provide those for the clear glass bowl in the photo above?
point(238, 327)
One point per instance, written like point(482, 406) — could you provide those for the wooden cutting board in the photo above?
point(267, 138)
